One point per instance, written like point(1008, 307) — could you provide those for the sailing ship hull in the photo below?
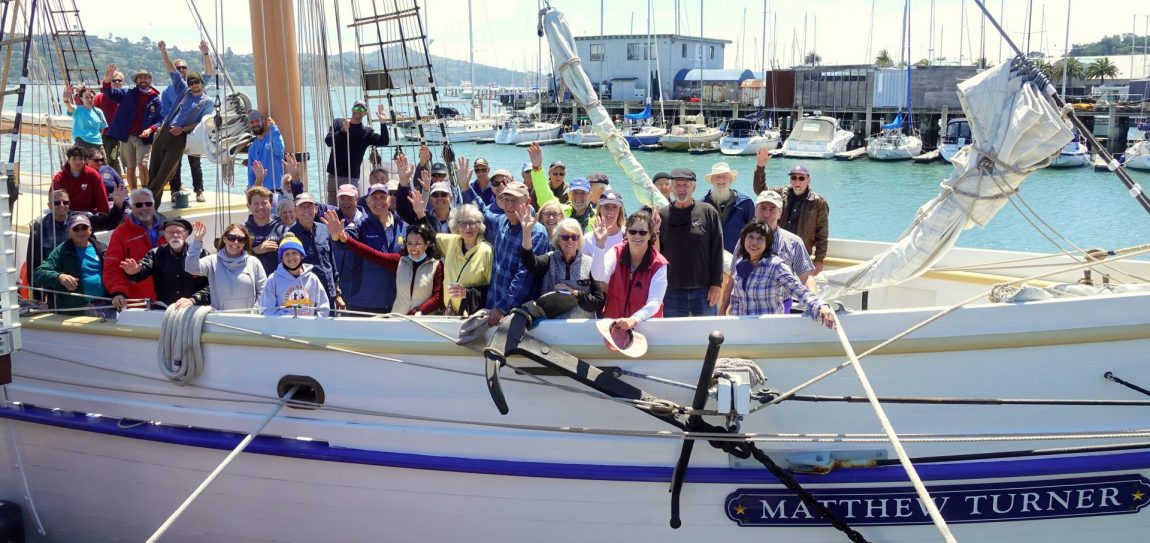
point(900, 147)
point(539, 131)
point(729, 145)
point(409, 441)
point(1138, 156)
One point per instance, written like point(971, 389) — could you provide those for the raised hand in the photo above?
point(260, 173)
point(162, 45)
point(69, 92)
point(425, 180)
point(600, 233)
point(656, 223)
point(424, 154)
point(130, 266)
point(535, 152)
point(120, 195)
point(109, 73)
point(204, 47)
point(416, 199)
point(463, 171)
point(381, 113)
point(762, 157)
point(405, 170)
point(199, 230)
point(291, 165)
point(334, 224)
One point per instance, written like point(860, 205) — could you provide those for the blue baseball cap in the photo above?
point(579, 183)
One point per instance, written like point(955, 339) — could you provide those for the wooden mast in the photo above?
point(276, 65)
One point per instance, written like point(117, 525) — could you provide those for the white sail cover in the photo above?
point(575, 79)
point(1015, 129)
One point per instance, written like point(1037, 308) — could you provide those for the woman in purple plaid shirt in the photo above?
point(762, 281)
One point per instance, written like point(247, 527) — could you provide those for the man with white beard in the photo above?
point(735, 209)
point(165, 265)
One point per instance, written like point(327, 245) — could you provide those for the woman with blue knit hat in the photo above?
point(293, 289)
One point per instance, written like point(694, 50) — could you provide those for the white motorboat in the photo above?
point(692, 132)
point(1021, 409)
point(746, 137)
point(956, 137)
point(1074, 155)
point(817, 137)
point(461, 129)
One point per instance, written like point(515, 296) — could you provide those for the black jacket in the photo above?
point(172, 282)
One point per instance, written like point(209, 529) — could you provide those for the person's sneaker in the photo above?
point(200, 196)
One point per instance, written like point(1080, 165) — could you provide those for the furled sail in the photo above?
point(1016, 128)
point(554, 24)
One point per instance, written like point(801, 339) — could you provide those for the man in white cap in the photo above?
point(481, 184)
point(317, 242)
point(735, 209)
point(349, 140)
point(804, 212)
point(371, 287)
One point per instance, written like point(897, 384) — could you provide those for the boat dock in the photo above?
point(852, 154)
point(541, 143)
point(928, 157)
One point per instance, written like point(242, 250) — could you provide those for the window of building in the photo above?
point(712, 52)
point(684, 50)
point(636, 51)
point(598, 52)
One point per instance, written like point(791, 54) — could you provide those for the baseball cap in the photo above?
point(359, 103)
point(598, 178)
point(611, 197)
point(517, 189)
point(304, 198)
point(347, 189)
point(183, 223)
point(78, 218)
point(526, 167)
point(378, 187)
point(800, 169)
point(579, 183)
point(439, 167)
point(481, 161)
point(770, 196)
point(557, 164)
point(441, 186)
point(504, 173)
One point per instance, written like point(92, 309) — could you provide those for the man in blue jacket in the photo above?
point(139, 110)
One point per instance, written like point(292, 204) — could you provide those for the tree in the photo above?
point(924, 63)
point(812, 59)
point(981, 63)
point(1072, 66)
point(1045, 67)
point(1101, 69)
point(883, 59)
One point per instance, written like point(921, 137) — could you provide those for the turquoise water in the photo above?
point(868, 200)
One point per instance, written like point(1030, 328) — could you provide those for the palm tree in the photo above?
point(883, 59)
point(925, 63)
point(812, 59)
point(1072, 66)
point(1101, 69)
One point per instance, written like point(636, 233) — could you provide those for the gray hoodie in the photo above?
point(284, 292)
point(236, 283)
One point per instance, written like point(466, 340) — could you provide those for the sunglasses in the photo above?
point(99, 160)
point(61, 202)
point(498, 183)
point(798, 177)
point(359, 109)
point(560, 174)
point(181, 67)
point(235, 239)
point(144, 204)
point(117, 81)
point(569, 237)
point(481, 170)
point(439, 175)
point(80, 228)
point(638, 232)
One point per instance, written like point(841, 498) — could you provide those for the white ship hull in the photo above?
point(1138, 156)
point(729, 145)
point(894, 146)
point(511, 134)
point(1074, 155)
point(411, 443)
point(817, 137)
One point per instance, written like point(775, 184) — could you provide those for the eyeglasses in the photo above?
point(117, 81)
point(498, 182)
point(359, 109)
point(178, 232)
point(440, 195)
point(195, 82)
point(551, 214)
point(467, 224)
point(569, 237)
point(439, 175)
point(560, 174)
point(798, 178)
point(481, 170)
point(638, 232)
point(99, 160)
point(80, 228)
point(61, 202)
point(181, 68)
point(413, 243)
point(144, 204)
point(235, 239)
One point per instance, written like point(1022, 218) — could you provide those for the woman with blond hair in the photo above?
point(235, 276)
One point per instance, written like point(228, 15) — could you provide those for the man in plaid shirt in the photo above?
point(511, 284)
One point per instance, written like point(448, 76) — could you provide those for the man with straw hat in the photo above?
point(735, 209)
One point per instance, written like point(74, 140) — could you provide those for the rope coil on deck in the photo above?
point(180, 351)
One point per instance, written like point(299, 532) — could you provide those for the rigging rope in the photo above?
point(180, 351)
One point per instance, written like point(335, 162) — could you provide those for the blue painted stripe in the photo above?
point(322, 451)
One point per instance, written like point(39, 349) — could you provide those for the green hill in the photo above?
point(1118, 44)
point(129, 56)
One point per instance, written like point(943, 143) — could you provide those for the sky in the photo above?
point(839, 30)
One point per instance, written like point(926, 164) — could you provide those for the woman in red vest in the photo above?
point(636, 275)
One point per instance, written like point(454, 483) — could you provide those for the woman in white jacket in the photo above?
point(235, 276)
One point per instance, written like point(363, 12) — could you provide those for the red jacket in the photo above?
point(87, 191)
point(129, 240)
point(626, 291)
point(107, 106)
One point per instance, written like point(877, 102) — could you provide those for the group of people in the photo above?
point(422, 245)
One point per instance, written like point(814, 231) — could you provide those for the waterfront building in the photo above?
point(625, 65)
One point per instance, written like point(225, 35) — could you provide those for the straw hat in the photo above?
point(722, 167)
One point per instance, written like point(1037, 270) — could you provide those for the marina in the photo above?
point(968, 366)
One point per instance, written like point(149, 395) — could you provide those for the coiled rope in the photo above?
point(181, 354)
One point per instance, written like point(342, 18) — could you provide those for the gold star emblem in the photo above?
point(740, 509)
point(1138, 496)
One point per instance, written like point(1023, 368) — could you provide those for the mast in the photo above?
point(470, 47)
point(275, 61)
point(1066, 49)
point(906, 125)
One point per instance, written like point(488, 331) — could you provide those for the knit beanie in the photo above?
point(289, 242)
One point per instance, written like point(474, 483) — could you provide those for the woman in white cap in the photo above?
point(235, 276)
point(607, 226)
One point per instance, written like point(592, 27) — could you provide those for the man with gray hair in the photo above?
point(735, 208)
point(691, 238)
point(137, 234)
point(804, 212)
